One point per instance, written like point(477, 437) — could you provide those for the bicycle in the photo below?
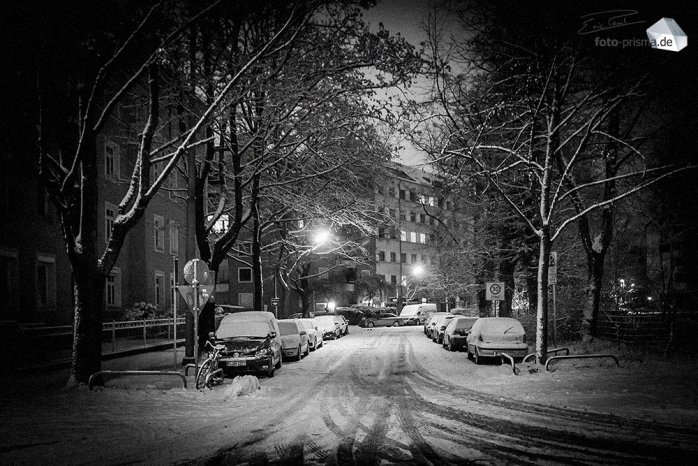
point(210, 373)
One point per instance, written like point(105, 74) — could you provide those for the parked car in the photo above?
point(385, 319)
point(351, 314)
point(343, 325)
point(491, 336)
point(417, 313)
point(440, 323)
point(314, 337)
point(252, 342)
point(222, 309)
point(456, 332)
point(429, 323)
point(329, 326)
point(294, 339)
point(465, 311)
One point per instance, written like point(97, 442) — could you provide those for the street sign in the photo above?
point(187, 292)
point(196, 269)
point(274, 301)
point(494, 291)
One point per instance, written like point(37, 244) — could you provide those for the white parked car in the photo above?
point(314, 336)
point(329, 326)
point(491, 336)
point(294, 339)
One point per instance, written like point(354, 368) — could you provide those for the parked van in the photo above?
point(418, 312)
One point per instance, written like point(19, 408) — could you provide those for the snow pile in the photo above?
point(242, 385)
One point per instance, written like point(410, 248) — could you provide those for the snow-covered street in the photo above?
point(385, 395)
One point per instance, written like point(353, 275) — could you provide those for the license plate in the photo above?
point(236, 363)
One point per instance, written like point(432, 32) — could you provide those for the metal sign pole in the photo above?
point(554, 320)
point(175, 262)
point(195, 309)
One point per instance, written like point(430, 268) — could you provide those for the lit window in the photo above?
point(111, 159)
point(159, 233)
point(174, 238)
point(423, 238)
point(403, 235)
point(45, 281)
point(413, 237)
point(113, 288)
point(109, 216)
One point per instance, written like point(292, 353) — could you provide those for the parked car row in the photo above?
point(481, 337)
point(256, 342)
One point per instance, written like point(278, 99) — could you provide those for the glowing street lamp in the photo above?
point(321, 237)
point(417, 270)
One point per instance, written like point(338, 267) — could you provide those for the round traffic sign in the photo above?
point(196, 269)
point(495, 288)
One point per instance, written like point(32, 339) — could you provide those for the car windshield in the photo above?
point(325, 319)
point(231, 328)
point(288, 328)
point(507, 327)
point(464, 323)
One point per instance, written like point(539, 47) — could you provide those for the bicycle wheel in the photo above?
point(203, 376)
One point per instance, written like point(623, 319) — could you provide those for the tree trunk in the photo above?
point(506, 274)
point(542, 309)
point(594, 286)
point(258, 278)
point(88, 292)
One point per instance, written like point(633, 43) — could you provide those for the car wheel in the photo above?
point(395, 324)
point(450, 346)
point(307, 349)
point(279, 363)
point(470, 356)
point(271, 372)
point(477, 357)
point(370, 325)
point(299, 356)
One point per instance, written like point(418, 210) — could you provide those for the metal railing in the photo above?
point(48, 344)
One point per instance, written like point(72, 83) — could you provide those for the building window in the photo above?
point(109, 216)
point(402, 216)
point(381, 256)
point(393, 279)
point(431, 220)
point(159, 288)
point(391, 191)
point(381, 232)
point(423, 238)
point(413, 216)
point(422, 218)
point(112, 154)
point(403, 235)
point(159, 233)
point(403, 257)
point(113, 288)
point(393, 257)
point(246, 300)
point(413, 237)
point(403, 195)
point(413, 197)
point(244, 275)
point(174, 238)
point(413, 258)
point(9, 273)
point(45, 281)
point(448, 205)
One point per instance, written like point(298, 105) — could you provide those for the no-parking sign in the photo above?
point(494, 291)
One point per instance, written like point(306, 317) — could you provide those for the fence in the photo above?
point(655, 329)
point(42, 345)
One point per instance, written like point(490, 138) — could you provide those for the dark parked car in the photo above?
point(456, 332)
point(386, 320)
point(352, 315)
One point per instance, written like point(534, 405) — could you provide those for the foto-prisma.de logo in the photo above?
point(665, 34)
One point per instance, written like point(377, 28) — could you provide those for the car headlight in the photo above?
point(263, 353)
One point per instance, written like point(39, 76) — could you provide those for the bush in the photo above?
point(141, 311)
